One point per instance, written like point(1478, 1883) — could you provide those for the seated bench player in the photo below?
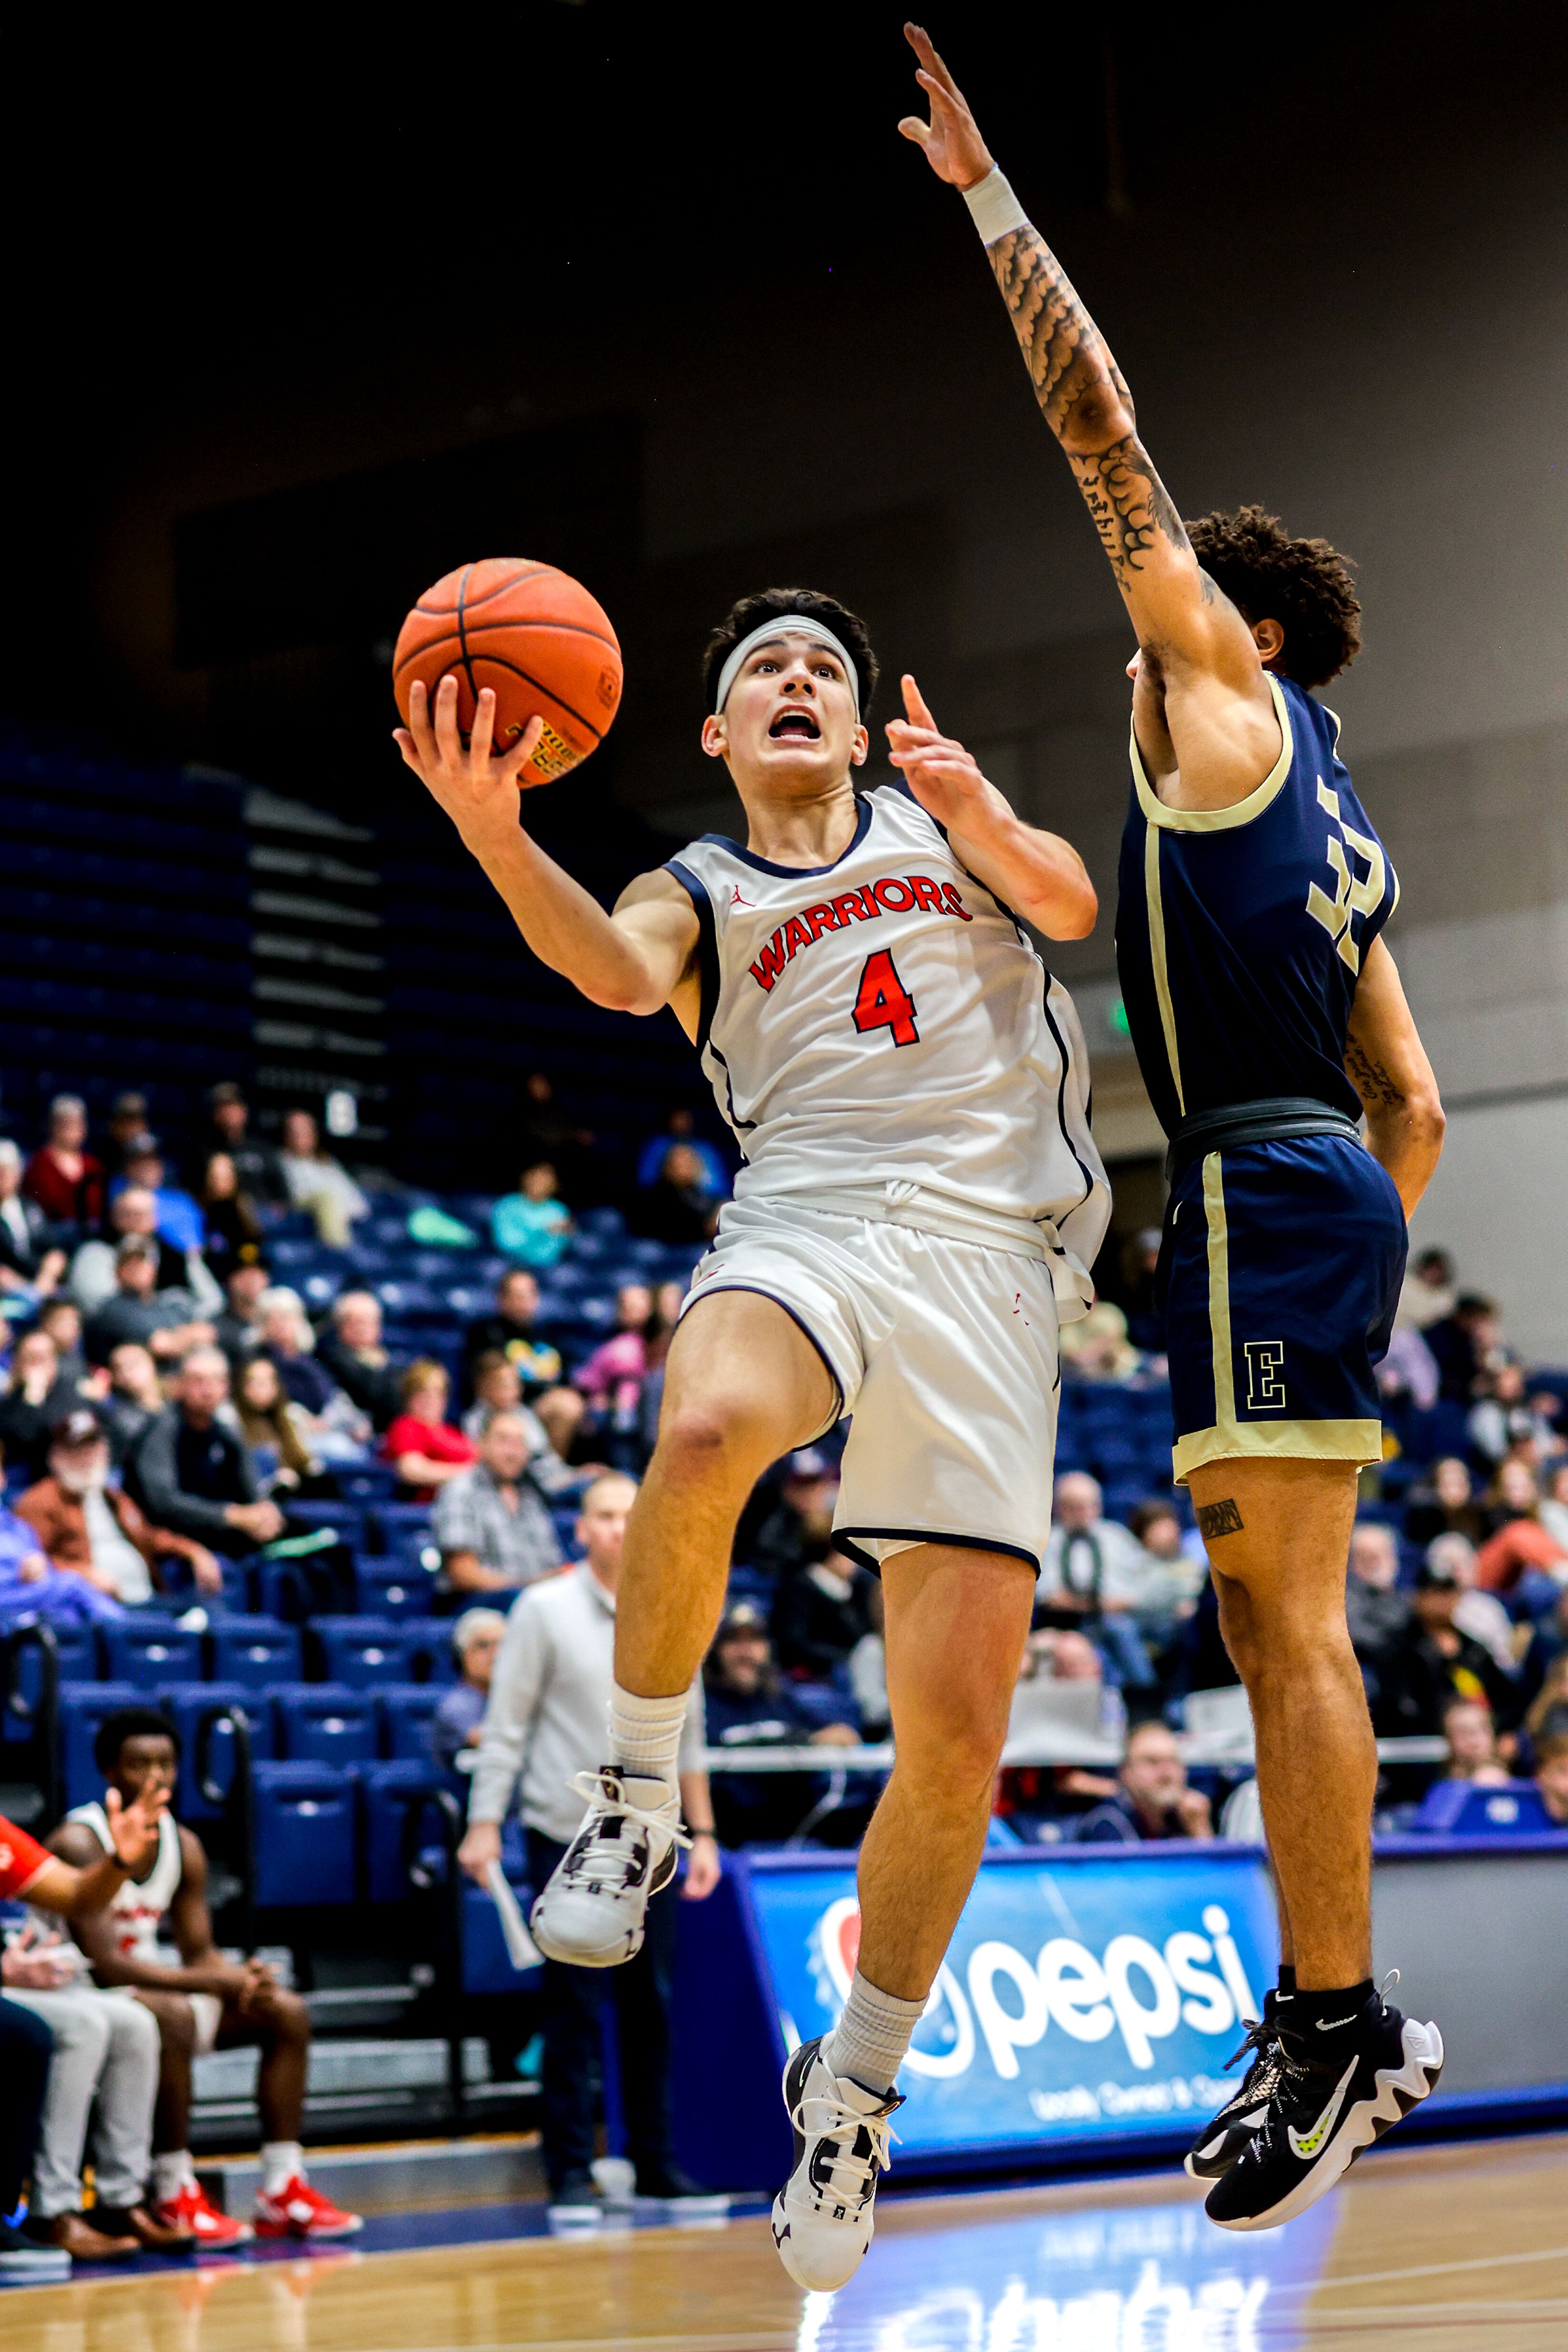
point(207, 2002)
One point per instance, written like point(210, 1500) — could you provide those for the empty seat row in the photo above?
point(146, 1652)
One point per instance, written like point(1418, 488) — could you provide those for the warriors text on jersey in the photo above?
point(1240, 932)
point(886, 1020)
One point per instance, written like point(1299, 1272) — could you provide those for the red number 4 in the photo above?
point(884, 1003)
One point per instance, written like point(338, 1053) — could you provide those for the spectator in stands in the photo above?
point(657, 1337)
point(868, 1670)
point(611, 1379)
point(1552, 1507)
point(492, 1526)
point(1472, 1735)
point(191, 1470)
point(680, 1207)
point(1039, 1798)
point(681, 1127)
point(1097, 1346)
point(228, 1213)
point(127, 1124)
point(28, 1261)
point(237, 1329)
point(288, 1342)
point(256, 1164)
point(798, 1526)
point(1140, 1266)
point(497, 1389)
point(1172, 1574)
point(1433, 1662)
point(1443, 1503)
point(1480, 1614)
point(1153, 1800)
point(163, 1321)
point(545, 1724)
point(179, 1216)
point(1464, 1342)
point(1523, 1560)
point(1543, 1680)
point(34, 1399)
point(318, 1182)
point(546, 1133)
point(90, 1526)
point(61, 1319)
point(205, 1998)
point(420, 1442)
point(62, 1176)
point(1093, 1578)
point(749, 1705)
point(133, 1400)
point(533, 1225)
point(476, 1638)
point(269, 1424)
point(54, 2055)
point(1506, 1420)
point(1552, 1765)
point(511, 1330)
point(820, 1612)
point(353, 1355)
point(1427, 1297)
point(135, 1211)
point(1378, 1613)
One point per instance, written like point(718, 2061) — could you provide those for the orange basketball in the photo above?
point(531, 634)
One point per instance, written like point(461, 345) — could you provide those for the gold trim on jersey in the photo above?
point(1174, 820)
point(1323, 1441)
point(1157, 957)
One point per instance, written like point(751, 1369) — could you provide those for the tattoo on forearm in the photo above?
point(1377, 1088)
point(1086, 403)
point(1219, 1519)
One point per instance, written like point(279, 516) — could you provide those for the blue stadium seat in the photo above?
point(346, 1519)
point(392, 1587)
point(394, 1521)
point(305, 1830)
point(254, 1650)
point(1460, 1809)
point(487, 1964)
point(328, 1723)
point(406, 1712)
point(83, 1707)
point(77, 1653)
point(427, 1649)
point(369, 1482)
point(387, 1793)
point(607, 1223)
point(149, 1651)
point(822, 1703)
point(203, 1714)
point(362, 1651)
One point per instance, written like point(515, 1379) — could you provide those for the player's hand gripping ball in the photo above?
point(532, 635)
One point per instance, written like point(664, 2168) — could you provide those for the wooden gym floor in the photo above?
point(1453, 2249)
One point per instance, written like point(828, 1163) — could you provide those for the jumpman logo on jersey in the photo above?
point(737, 900)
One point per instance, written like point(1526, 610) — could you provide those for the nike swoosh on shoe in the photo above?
point(1309, 2144)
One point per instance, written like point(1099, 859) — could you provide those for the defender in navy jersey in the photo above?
point(1267, 1017)
point(920, 1202)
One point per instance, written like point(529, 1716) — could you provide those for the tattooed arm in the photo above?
point(1201, 673)
point(1387, 1066)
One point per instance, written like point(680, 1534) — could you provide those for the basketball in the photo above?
point(536, 637)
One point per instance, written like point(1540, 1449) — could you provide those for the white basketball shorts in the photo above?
point(944, 1353)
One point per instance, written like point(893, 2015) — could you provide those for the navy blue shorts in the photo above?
point(1280, 1273)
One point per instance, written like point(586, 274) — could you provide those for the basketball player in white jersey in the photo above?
point(920, 1201)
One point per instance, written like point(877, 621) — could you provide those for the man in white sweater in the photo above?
point(545, 1730)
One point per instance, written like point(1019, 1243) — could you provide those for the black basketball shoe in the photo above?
point(1324, 2112)
point(1221, 2141)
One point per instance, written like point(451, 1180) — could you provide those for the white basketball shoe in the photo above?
point(590, 1912)
point(824, 2216)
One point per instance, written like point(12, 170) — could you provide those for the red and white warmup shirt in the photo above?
point(21, 1859)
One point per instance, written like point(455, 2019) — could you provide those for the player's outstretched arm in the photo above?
point(635, 961)
point(1178, 613)
point(1386, 1064)
point(1038, 873)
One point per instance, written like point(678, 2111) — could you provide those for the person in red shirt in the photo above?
point(421, 1444)
point(62, 1176)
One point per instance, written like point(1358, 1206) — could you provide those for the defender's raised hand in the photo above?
point(954, 147)
point(477, 787)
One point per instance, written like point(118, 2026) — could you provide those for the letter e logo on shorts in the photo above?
point(1265, 1389)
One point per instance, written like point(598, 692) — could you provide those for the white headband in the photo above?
point(795, 625)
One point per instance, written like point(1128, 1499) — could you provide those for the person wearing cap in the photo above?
point(29, 1260)
point(799, 1526)
point(455, 1725)
point(749, 1705)
point(1434, 1662)
point(164, 1321)
point(256, 1164)
point(88, 1526)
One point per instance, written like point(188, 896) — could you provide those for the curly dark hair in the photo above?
point(1303, 583)
point(749, 612)
point(130, 1723)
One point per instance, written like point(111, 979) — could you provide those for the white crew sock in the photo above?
point(170, 2174)
point(645, 1734)
point(280, 2160)
point(870, 2038)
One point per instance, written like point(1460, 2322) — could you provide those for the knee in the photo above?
point(175, 2020)
point(955, 1746)
point(289, 2019)
point(700, 1438)
point(136, 2031)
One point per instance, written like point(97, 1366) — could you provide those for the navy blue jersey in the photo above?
point(1240, 932)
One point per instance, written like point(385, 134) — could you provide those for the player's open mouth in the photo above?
point(795, 722)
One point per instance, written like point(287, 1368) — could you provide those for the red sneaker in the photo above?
point(297, 2210)
point(190, 2212)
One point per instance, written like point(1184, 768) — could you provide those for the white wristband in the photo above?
point(994, 209)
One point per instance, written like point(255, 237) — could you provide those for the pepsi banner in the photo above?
point(1086, 1995)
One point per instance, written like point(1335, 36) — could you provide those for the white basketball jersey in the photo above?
point(136, 1910)
point(885, 1021)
